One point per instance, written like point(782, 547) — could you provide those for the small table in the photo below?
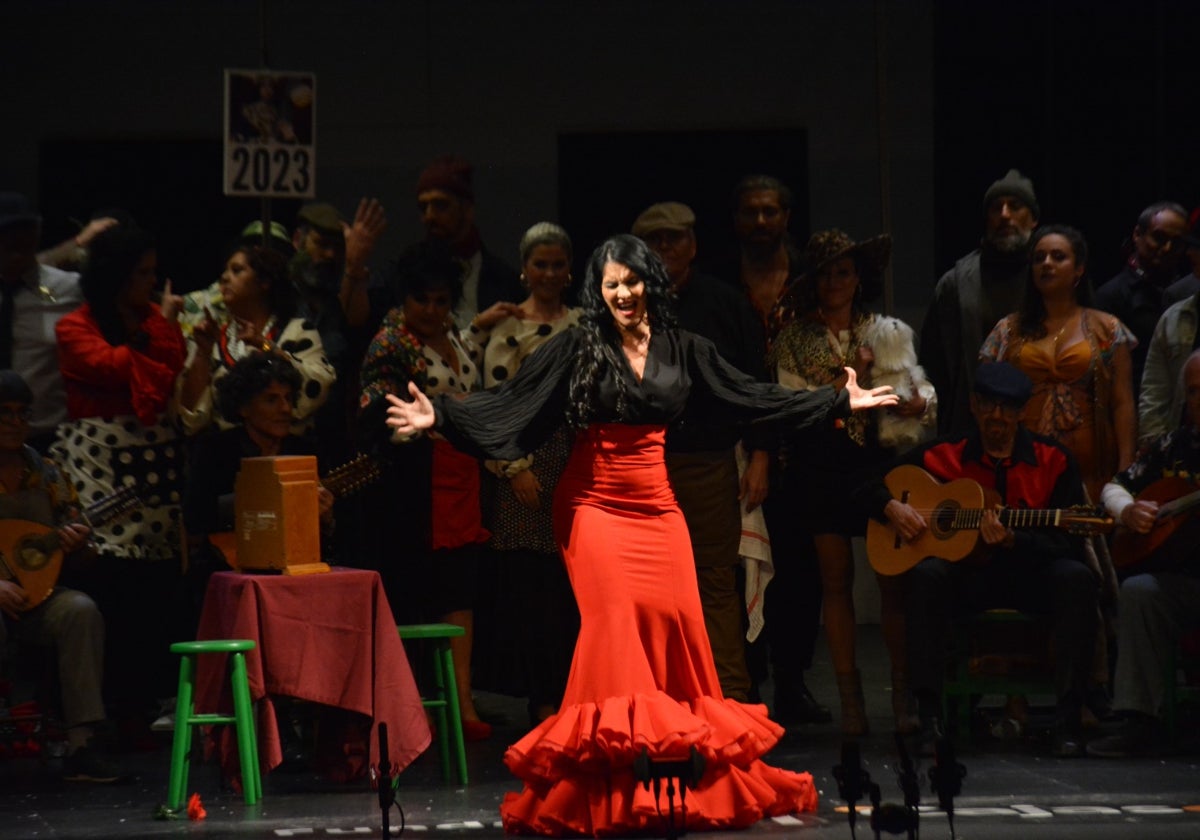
point(328, 638)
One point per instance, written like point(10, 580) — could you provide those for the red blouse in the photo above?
point(106, 381)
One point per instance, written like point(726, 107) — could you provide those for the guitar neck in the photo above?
point(1180, 506)
point(107, 509)
point(970, 518)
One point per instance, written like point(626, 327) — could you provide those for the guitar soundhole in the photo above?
point(31, 557)
point(942, 523)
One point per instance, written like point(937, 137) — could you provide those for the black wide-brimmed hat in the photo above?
point(870, 257)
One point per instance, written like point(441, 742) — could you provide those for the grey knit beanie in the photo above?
point(1015, 184)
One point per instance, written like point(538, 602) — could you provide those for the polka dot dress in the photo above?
point(100, 456)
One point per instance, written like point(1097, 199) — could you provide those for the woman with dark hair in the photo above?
point(261, 314)
point(1078, 358)
point(834, 332)
point(430, 486)
point(642, 683)
point(119, 355)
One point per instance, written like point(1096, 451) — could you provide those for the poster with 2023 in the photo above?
point(270, 133)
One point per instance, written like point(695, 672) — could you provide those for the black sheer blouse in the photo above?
point(683, 370)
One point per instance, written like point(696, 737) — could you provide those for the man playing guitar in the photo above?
point(1037, 570)
point(33, 489)
point(1158, 605)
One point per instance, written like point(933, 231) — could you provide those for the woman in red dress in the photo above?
point(642, 682)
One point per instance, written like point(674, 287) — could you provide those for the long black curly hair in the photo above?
point(601, 341)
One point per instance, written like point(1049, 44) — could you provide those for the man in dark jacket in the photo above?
point(978, 291)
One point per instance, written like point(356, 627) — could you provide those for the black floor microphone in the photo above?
point(852, 781)
point(382, 773)
point(650, 772)
point(945, 777)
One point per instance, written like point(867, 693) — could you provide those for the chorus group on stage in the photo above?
point(582, 460)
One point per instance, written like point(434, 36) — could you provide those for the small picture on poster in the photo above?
point(270, 133)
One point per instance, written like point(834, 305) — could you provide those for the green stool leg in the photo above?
point(181, 744)
point(446, 656)
point(243, 711)
point(439, 705)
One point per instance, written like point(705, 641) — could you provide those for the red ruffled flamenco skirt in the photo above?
point(643, 674)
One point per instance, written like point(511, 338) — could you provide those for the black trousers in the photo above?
point(792, 608)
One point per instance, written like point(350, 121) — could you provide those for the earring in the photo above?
point(524, 280)
point(569, 279)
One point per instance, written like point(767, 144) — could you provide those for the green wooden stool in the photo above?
point(186, 717)
point(1174, 691)
point(445, 699)
point(962, 688)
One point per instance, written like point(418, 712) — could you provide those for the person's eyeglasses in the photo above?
point(15, 415)
point(989, 404)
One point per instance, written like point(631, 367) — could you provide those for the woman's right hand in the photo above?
point(205, 334)
point(526, 487)
point(410, 417)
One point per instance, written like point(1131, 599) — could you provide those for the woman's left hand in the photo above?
point(526, 487)
point(874, 398)
point(496, 313)
point(409, 417)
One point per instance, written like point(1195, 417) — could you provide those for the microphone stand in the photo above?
point(852, 781)
point(945, 777)
point(382, 774)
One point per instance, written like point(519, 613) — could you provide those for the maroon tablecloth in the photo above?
point(329, 638)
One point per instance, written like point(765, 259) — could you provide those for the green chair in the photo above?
point(445, 700)
point(186, 717)
point(1177, 691)
point(965, 684)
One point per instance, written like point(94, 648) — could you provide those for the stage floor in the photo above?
point(1013, 789)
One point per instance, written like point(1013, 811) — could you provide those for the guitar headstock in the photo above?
point(352, 475)
point(1086, 521)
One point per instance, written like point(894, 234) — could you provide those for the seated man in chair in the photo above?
point(1157, 605)
point(33, 489)
point(1035, 570)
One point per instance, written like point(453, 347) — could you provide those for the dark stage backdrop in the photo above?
point(171, 187)
point(607, 176)
point(1095, 101)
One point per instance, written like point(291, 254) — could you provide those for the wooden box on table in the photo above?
point(277, 518)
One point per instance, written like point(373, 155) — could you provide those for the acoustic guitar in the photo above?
point(1177, 498)
point(954, 511)
point(32, 554)
point(349, 478)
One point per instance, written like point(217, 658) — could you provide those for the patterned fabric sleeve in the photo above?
point(392, 360)
point(45, 475)
point(995, 346)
